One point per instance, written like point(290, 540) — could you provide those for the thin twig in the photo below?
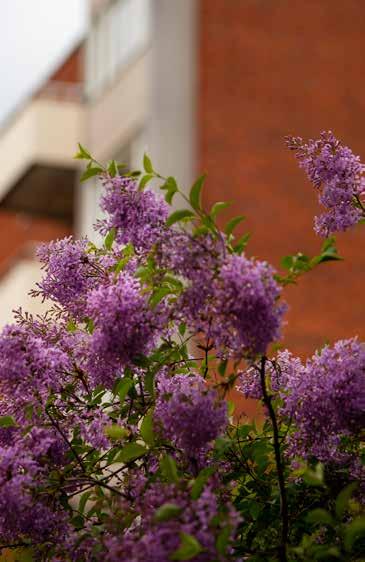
point(279, 464)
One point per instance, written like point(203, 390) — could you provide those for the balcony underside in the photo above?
point(44, 191)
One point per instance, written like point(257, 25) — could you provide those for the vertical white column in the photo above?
point(172, 128)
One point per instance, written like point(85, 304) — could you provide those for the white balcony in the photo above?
point(44, 132)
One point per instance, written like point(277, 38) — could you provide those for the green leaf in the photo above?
point(328, 252)
point(91, 172)
point(314, 477)
point(230, 407)
point(115, 431)
point(149, 382)
point(128, 253)
point(171, 188)
point(217, 208)
point(147, 429)
point(82, 154)
point(141, 360)
point(287, 262)
point(71, 326)
point(89, 325)
point(130, 452)
point(355, 530)
point(113, 168)
point(244, 431)
point(188, 549)
point(110, 237)
point(195, 193)
point(122, 167)
point(343, 498)
point(242, 243)
point(169, 469)
point(329, 244)
point(255, 510)
point(83, 499)
point(231, 225)
point(123, 387)
point(297, 263)
point(158, 295)
point(147, 164)
point(167, 511)
point(180, 215)
point(320, 516)
point(200, 482)
point(222, 367)
point(223, 540)
point(7, 421)
point(169, 196)
point(144, 181)
point(23, 554)
point(202, 230)
point(29, 410)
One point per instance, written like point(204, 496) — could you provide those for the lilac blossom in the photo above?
point(23, 512)
point(92, 429)
point(154, 541)
point(189, 413)
point(327, 402)
point(29, 369)
point(70, 272)
point(236, 308)
point(283, 371)
point(338, 175)
point(231, 299)
point(125, 326)
point(325, 399)
point(246, 316)
point(138, 216)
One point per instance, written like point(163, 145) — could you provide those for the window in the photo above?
point(118, 34)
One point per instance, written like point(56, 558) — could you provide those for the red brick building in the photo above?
point(37, 188)
point(228, 79)
point(268, 68)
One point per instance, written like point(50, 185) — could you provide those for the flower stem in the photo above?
point(279, 464)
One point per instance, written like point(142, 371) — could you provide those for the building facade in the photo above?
point(211, 86)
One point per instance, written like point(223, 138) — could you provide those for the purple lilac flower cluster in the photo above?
point(328, 402)
point(138, 216)
point(70, 272)
point(325, 398)
point(189, 413)
point(231, 299)
point(110, 357)
point(156, 541)
point(124, 325)
point(30, 368)
point(245, 316)
point(237, 307)
point(282, 372)
point(338, 174)
point(23, 511)
point(92, 428)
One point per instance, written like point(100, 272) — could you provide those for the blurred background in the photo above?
point(201, 85)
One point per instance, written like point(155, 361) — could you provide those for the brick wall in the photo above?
point(268, 68)
point(72, 70)
point(21, 234)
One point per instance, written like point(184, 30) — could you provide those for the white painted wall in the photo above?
point(172, 82)
point(46, 132)
point(114, 120)
point(14, 289)
point(122, 111)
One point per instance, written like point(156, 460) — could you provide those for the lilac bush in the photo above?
point(338, 175)
point(117, 441)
